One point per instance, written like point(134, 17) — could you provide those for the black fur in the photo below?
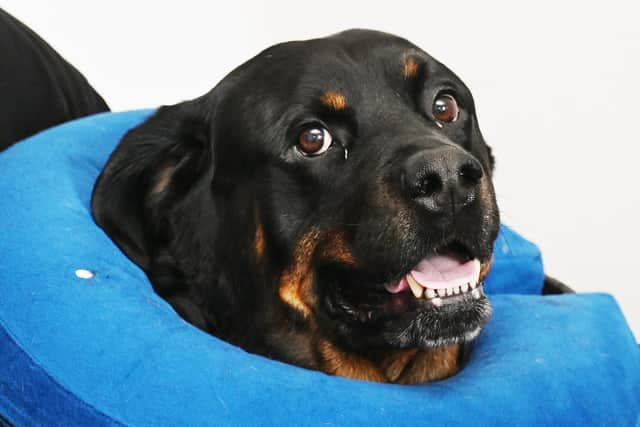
point(185, 193)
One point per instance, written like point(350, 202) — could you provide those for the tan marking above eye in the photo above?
point(334, 100)
point(410, 68)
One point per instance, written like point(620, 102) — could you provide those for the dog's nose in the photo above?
point(443, 179)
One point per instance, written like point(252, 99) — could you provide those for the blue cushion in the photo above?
point(104, 349)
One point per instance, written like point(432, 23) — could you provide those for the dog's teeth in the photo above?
point(472, 285)
point(436, 301)
point(476, 271)
point(430, 293)
point(464, 288)
point(417, 290)
point(476, 293)
point(441, 292)
point(456, 290)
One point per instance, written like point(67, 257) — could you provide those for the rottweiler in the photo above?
point(328, 204)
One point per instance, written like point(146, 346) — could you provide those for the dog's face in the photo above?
point(329, 197)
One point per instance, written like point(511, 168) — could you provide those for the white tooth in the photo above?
point(476, 271)
point(473, 285)
point(436, 301)
point(476, 293)
point(430, 293)
point(415, 287)
point(464, 288)
point(456, 290)
point(441, 292)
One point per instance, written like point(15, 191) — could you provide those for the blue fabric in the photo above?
point(517, 266)
point(107, 350)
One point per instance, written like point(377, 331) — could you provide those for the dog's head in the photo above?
point(335, 190)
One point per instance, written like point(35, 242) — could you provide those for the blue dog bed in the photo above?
point(84, 340)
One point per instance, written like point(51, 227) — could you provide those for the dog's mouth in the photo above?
point(443, 277)
point(439, 301)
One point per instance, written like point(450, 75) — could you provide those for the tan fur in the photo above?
point(431, 365)
point(413, 366)
point(410, 68)
point(394, 364)
point(485, 269)
point(334, 100)
point(336, 248)
point(337, 362)
point(296, 281)
point(258, 242)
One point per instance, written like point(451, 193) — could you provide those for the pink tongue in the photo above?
point(444, 271)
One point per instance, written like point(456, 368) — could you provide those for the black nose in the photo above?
point(444, 179)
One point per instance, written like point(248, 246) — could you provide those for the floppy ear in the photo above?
point(492, 159)
point(157, 167)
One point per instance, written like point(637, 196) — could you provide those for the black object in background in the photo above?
point(38, 88)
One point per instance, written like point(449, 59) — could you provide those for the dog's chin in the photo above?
point(365, 315)
point(455, 320)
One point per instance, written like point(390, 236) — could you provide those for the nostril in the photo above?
point(470, 173)
point(430, 184)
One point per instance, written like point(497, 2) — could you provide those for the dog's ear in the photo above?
point(484, 150)
point(157, 167)
point(492, 159)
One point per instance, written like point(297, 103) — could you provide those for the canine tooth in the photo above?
point(417, 290)
point(456, 290)
point(477, 268)
point(473, 285)
point(476, 293)
point(430, 293)
point(464, 288)
point(436, 301)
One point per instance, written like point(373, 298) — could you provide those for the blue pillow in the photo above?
point(84, 340)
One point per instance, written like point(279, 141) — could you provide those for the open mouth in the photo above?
point(443, 277)
point(439, 301)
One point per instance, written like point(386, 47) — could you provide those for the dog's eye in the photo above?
point(445, 109)
point(314, 141)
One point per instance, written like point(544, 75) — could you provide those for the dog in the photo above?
point(328, 204)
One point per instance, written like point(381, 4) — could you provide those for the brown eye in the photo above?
point(314, 141)
point(445, 109)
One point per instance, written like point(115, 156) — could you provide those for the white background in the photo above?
point(556, 86)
